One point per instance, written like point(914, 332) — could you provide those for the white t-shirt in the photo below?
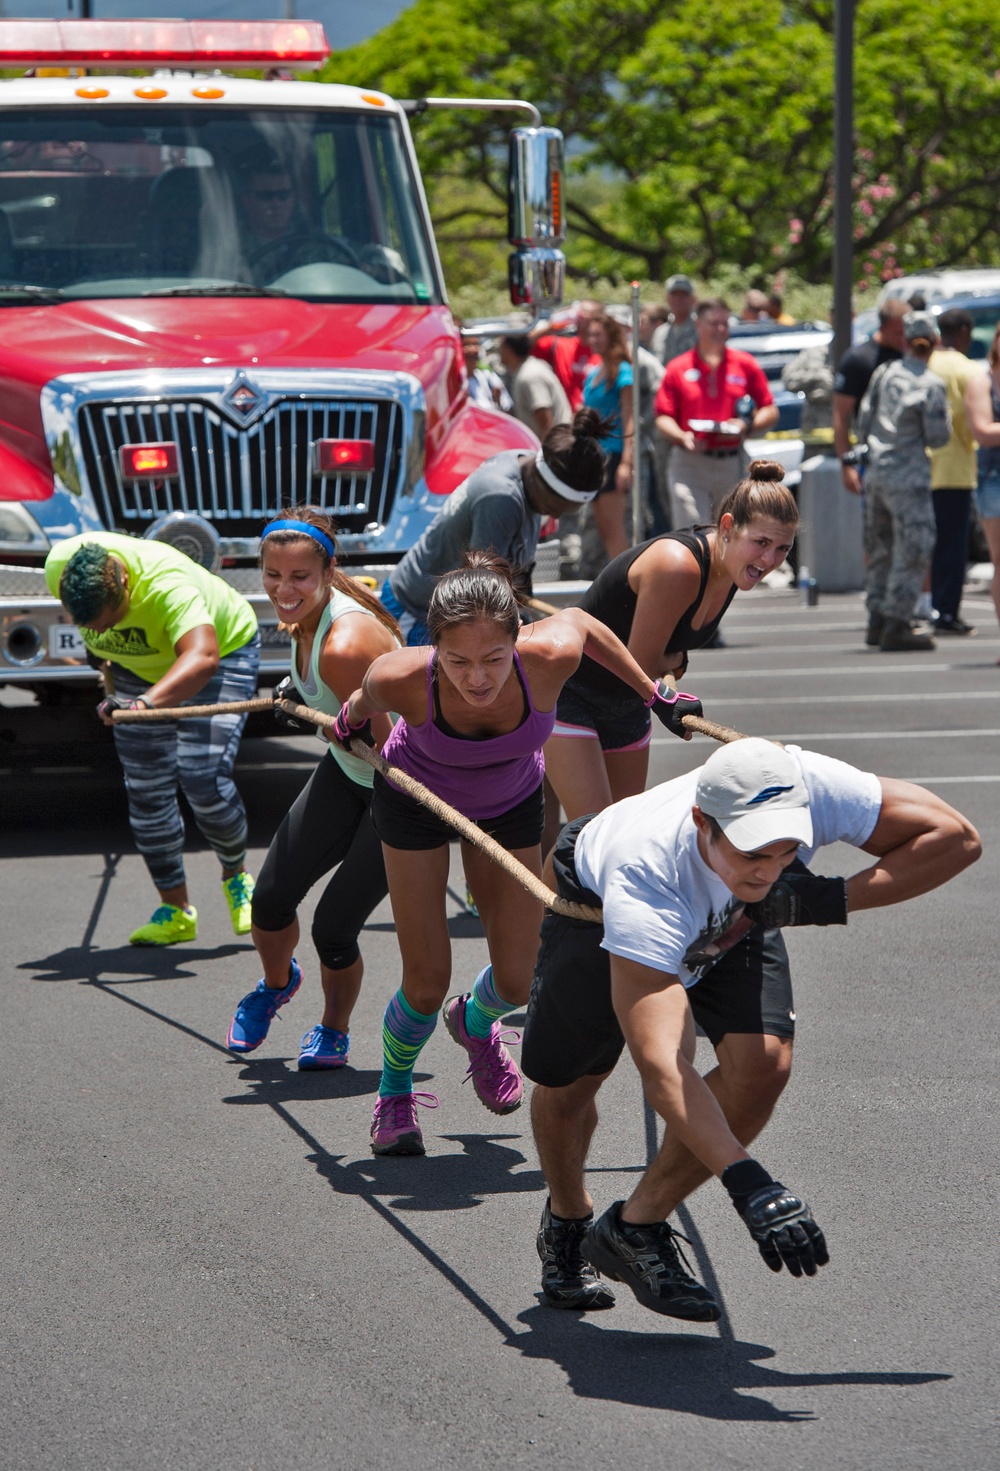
point(663, 906)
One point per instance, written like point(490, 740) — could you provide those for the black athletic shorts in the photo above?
point(571, 1029)
point(403, 822)
point(620, 722)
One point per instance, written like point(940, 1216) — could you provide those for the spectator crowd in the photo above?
point(914, 423)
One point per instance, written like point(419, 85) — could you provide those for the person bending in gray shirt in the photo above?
point(500, 508)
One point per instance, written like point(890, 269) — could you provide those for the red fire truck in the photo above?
point(220, 295)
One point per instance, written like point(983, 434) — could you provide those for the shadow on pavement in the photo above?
point(450, 1181)
point(684, 1372)
point(277, 1080)
point(127, 964)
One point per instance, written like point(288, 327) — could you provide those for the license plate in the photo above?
point(66, 642)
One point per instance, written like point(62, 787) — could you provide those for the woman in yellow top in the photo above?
point(174, 635)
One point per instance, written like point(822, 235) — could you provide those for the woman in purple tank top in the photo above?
point(476, 708)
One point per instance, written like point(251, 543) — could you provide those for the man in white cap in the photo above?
point(696, 877)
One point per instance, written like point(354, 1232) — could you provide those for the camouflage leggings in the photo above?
point(899, 542)
point(198, 756)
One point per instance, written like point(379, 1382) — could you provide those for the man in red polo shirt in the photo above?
point(569, 357)
point(695, 411)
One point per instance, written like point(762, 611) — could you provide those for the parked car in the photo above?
point(984, 308)
point(938, 286)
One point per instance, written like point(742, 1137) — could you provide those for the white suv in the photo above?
point(941, 285)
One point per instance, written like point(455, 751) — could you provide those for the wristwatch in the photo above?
point(851, 459)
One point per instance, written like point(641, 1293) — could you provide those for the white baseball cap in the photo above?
point(755, 792)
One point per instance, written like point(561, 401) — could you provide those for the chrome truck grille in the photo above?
point(236, 477)
point(245, 446)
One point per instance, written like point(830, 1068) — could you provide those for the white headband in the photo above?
point(559, 486)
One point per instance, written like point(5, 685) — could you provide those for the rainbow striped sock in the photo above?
point(485, 1006)
point(404, 1032)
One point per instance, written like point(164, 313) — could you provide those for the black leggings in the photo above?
point(328, 824)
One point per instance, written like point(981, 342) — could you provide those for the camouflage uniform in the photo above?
point(903, 414)
point(811, 373)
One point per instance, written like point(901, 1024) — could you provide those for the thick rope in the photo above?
point(418, 791)
point(408, 784)
point(189, 712)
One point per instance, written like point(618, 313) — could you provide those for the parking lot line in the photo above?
point(810, 737)
point(879, 699)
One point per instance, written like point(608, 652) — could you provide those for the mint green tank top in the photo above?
point(315, 693)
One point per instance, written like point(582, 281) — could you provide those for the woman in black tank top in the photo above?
point(662, 599)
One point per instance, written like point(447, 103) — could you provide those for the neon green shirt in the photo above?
point(169, 595)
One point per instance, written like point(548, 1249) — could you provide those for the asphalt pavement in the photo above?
point(204, 1267)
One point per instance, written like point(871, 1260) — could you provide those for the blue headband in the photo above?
point(304, 529)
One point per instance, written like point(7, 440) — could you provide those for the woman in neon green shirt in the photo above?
point(174, 634)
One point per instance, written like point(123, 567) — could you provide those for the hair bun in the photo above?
point(766, 470)
point(587, 424)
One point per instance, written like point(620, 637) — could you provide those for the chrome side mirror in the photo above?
point(535, 187)
point(536, 278)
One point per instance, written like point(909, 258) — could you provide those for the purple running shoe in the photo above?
point(493, 1071)
point(394, 1127)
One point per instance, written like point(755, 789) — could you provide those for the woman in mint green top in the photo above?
point(338, 630)
point(173, 634)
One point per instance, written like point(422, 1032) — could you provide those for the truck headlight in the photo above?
point(20, 532)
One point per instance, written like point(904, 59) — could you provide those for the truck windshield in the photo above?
point(121, 201)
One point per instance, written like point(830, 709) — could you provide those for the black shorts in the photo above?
point(403, 822)
point(620, 722)
point(572, 1030)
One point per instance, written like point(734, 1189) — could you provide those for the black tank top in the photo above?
point(611, 600)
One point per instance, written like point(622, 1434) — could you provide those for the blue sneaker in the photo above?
point(255, 1012)
point(323, 1047)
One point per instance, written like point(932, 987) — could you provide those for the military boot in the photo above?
point(876, 623)
point(898, 637)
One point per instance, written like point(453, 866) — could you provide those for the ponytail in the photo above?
point(761, 495)
point(573, 452)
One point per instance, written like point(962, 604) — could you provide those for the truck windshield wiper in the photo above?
point(231, 288)
point(31, 293)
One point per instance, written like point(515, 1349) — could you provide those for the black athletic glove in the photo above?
point(111, 703)
point(670, 706)
point(286, 691)
point(344, 732)
point(801, 898)
point(779, 1222)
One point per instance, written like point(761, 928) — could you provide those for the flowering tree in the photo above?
point(700, 135)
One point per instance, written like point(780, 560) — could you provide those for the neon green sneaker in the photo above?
point(168, 926)
point(239, 895)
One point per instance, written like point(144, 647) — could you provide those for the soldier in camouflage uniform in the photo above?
point(811, 373)
point(903, 414)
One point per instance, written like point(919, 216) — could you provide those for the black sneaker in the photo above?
point(954, 625)
point(567, 1280)
point(647, 1261)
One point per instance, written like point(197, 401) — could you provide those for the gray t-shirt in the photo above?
point(488, 511)
point(535, 386)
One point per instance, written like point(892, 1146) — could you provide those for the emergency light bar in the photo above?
point(199, 45)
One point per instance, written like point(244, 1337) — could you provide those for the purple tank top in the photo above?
point(481, 778)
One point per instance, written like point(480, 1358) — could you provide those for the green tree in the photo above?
point(702, 135)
